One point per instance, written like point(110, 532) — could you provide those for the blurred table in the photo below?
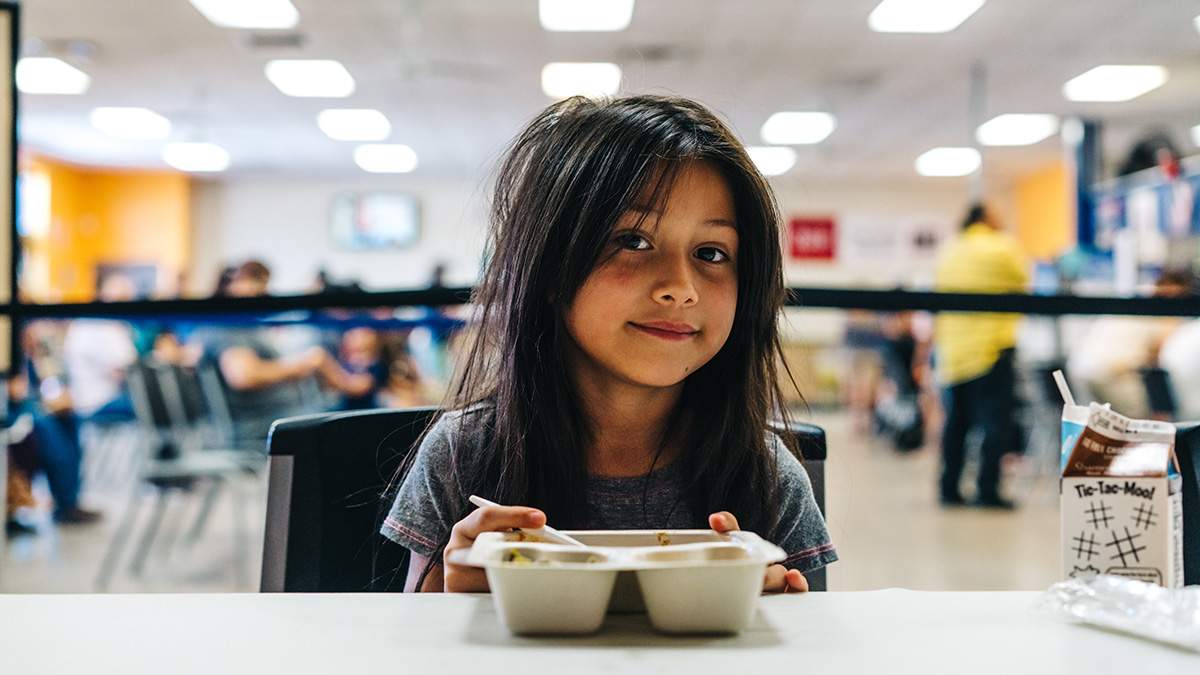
point(891, 631)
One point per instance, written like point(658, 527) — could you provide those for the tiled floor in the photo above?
point(882, 513)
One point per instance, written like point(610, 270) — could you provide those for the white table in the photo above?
point(886, 632)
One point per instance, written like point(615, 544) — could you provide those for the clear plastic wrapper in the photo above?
point(1170, 616)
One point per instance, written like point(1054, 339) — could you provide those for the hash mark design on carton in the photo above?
point(1090, 543)
point(1143, 517)
point(1127, 541)
point(1099, 514)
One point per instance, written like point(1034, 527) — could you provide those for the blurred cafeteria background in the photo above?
point(229, 211)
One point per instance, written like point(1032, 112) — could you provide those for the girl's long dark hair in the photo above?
point(566, 181)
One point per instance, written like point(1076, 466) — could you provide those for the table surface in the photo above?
point(889, 631)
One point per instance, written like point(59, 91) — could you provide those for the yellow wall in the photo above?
point(1043, 212)
point(106, 217)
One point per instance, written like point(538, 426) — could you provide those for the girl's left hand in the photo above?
point(778, 579)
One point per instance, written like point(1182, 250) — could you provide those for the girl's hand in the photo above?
point(778, 578)
point(464, 579)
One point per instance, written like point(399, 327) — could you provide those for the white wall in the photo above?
point(284, 222)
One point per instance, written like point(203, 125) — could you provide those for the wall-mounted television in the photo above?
point(364, 221)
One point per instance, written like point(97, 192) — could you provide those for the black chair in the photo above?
point(327, 496)
point(1187, 451)
point(326, 501)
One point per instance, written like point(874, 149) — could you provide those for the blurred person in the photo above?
point(263, 385)
point(1109, 361)
point(898, 407)
point(366, 372)
point(97, 354)
point(975, 353)
point(44, 437)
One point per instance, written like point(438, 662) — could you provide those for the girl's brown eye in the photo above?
point(632, 242)
point(712, 254)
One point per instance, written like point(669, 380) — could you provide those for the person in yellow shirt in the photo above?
point(974, 355)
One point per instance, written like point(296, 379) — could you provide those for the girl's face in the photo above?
point(663, 304)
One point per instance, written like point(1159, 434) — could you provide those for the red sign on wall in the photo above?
point(812, 238)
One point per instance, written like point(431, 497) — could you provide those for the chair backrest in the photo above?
point(326, 500)
point(1187, 451)
point(328, 494)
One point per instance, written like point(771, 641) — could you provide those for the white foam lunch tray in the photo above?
point(688, 581)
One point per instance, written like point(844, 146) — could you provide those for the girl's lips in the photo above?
point(667, 330)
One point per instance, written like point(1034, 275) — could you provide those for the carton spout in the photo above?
point(1063, 389)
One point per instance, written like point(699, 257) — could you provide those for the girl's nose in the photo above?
point(676, 284)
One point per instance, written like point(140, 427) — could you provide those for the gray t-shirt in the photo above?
point(421, 516)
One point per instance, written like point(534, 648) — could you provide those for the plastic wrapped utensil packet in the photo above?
point(1171, 616)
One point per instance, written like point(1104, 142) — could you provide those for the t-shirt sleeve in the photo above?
point(801, 532)
point(421, 516)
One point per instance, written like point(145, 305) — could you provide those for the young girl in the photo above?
point(624, 370)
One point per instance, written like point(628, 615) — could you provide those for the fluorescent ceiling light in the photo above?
point(561, 80)
point(354, 125)
point(798, 128)
point(196, 156)
point(1196, 22)
point(132, 124)
point(1016, 129)
point(385, 158)
point(1114, 83)
point(585, 15)
point(249, 13)
point(921, 16)
point(1196, 135)
point(772, 160)
point(48, 75)
point(310, 77)
point(948, 162)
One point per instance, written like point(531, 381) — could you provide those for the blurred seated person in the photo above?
point(44, 437)
point(366, 370)
point(97, 354)
point(1109, 359)
point(263, 385)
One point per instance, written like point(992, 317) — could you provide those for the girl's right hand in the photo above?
point(465, 579)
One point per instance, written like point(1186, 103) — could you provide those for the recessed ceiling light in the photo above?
point(772, 160)
point(354, 125)
point(798, 128)
point(948, 162)
point(921, 16)
point(585, 15)
point(1114, 83)
point(385, 158)
point(1016, 129)
point(1196, 22)
point(48, 75)
point(561, 80)
point(196, 156)
point(131, 123)
point(268, 14)
point(318, 78)
point(1196, 135)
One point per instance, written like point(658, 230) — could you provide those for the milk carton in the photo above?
point(1122, 500)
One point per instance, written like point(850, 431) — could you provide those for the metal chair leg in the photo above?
point(109, 565)
point(156, 518)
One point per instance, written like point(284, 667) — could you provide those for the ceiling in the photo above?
point(457, 78)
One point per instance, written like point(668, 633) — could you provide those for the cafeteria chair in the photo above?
point(1187, 452)
point(175, 456)
point(328, 492)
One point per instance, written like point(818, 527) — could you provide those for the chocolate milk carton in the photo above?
point(1122, 501)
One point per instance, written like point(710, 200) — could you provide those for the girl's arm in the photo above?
point(416, 567)
point(778, 579)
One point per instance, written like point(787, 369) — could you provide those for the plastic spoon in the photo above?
point(545, 532)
